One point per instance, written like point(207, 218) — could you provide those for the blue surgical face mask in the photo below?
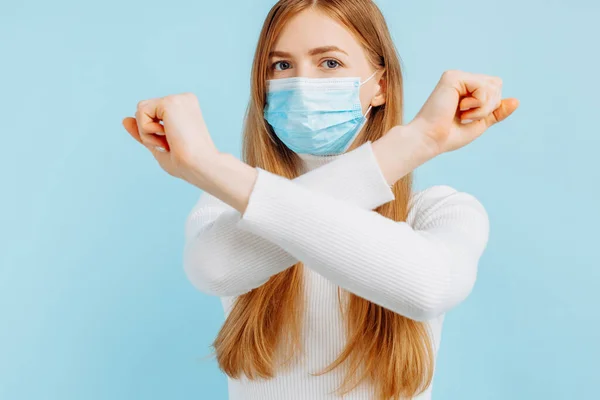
point(318, 116)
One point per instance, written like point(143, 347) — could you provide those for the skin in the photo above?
point(461, 107)
point(304, 44)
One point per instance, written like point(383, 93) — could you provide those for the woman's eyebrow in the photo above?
point(325, 49)
point(312, 52)
point(281, 54)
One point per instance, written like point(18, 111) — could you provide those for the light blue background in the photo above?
point(94, 303)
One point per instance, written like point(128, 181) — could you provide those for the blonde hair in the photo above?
point(392, 352)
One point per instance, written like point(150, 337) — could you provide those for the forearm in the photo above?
point(419, 273)
point(223, 260)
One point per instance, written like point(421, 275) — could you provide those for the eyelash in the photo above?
point(339, 64)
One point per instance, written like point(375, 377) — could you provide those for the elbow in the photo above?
point(426, 311)
point(431, 302)
point(204, 283)
point(206, 275)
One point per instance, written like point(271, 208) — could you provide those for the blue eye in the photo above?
point(281, 66)
point(330, 64)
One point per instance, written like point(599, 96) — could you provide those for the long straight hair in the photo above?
point(390, 351)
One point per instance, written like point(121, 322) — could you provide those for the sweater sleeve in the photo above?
point(418, 271)
point(223, 260)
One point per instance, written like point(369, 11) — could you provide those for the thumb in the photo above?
point(131, 127)
point(475, 129)
point(506, 108)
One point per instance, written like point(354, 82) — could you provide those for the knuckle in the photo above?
point(171, 99)
point(179, 98)
point(190, 97)
point(495, 83)
point(171, 102)
point(141, 104)
point(450, 75)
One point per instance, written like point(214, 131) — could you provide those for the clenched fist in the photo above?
point(173, 129)
point(460, 108)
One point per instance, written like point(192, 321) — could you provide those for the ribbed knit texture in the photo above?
point(420, 268)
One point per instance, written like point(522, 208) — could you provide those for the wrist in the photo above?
point(197, 170)
point(427, 147)
point(225, 177)
point(402, 150)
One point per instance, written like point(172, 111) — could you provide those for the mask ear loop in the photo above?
point(369, 78)
point(365, 116)
point(360, 128)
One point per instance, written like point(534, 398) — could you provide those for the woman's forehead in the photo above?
point(312, 29)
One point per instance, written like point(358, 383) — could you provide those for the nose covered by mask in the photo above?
point(318, 116)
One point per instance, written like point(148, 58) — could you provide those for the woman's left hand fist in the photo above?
point(173, 129)
point(462, 106)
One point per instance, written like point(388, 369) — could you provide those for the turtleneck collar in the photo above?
point(308, 162)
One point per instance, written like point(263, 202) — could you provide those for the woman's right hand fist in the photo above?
point(173, 129)
point(460, 108)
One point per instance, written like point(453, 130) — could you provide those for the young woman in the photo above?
point(334, 275)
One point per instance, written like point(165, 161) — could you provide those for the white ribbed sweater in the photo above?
point(420, 268)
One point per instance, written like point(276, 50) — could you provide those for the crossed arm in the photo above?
point(324, 218)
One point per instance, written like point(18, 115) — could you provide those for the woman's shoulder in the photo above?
point(443, 201)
